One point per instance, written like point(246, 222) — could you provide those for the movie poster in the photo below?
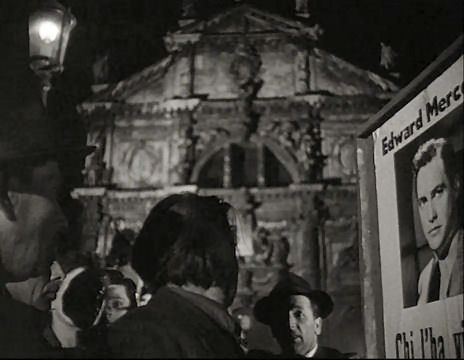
point(419, 183)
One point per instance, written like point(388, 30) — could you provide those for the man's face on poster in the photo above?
point(435, 197)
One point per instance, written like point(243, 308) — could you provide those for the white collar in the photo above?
point(311, 353)
point(65, 333)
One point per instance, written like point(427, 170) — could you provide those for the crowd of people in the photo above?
point(164, 292)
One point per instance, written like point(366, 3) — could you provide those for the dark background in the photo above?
point(131, 31)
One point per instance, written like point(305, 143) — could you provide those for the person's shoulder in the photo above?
point(23, 313)
point(21, 326)
point(260, 354)
point(135, 320)
point(324, 352)
point(139, 333)
point(154, 317)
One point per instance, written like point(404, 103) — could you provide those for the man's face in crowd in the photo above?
point(117, 302)
point(27, 245)
point(296, 330)
point(435, 196)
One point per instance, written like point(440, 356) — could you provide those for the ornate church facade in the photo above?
point(247, 107)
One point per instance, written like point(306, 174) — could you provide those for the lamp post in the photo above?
point(49, 29)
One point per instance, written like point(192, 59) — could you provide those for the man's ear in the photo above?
point(457, 185)
point(318, 325)
point(5, 203)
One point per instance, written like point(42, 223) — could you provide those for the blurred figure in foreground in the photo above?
point(243, 317)
point(31, 222)
point(76, 310)
point(185, 252)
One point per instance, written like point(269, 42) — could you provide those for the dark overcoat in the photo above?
point(175, 326)
point(21, 328)
point(322, 352)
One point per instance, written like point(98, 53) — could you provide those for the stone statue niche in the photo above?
point(95, 167)
point(271, 248)
point(245, 67)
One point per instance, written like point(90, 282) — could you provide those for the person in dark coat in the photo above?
point(295, 312)
point(186, 253)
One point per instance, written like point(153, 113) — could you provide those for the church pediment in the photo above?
point(239, 20)
point(336, 76)
point(283, 54)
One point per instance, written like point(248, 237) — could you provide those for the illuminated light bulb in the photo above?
point(48, 31)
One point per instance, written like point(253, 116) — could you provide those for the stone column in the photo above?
point(301, 72)
point(261, 173)
point(227, 180)
point(310, 265)
point(110, 127)
point(92, 201)
point(192, 54)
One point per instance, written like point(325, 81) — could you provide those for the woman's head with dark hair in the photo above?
point(121, 248)
point(188, 240)
point(119, 295)
point(80, 298)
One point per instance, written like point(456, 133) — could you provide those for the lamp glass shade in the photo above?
point(49, 31)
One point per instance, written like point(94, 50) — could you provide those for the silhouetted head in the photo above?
point(188, 240)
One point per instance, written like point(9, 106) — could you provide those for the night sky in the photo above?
point(131, 32)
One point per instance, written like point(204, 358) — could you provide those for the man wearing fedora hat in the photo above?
point(31, 221)
point(295, 312)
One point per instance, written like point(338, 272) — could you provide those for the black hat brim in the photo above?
point(265, 308)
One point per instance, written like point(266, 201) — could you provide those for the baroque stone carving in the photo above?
point(303, 141)
point(301, 70)
point(95, 165)
point(184, 143)
point(341, 156)
point(272, 248)
point(344, 267)
point(245, 68)
point(204, 137)
point(91, 217)
point(140, 163)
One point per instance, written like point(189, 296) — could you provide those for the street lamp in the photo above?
point(49, 29)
